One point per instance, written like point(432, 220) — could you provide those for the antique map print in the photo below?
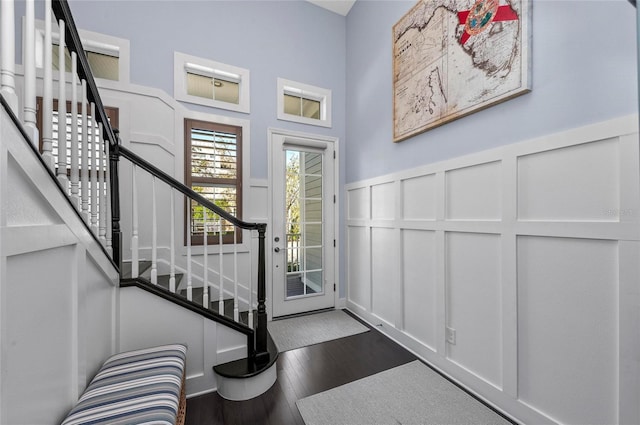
point(455, 57)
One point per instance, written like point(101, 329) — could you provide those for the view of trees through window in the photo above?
point(214, 170)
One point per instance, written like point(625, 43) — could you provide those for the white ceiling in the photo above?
point(341, 7)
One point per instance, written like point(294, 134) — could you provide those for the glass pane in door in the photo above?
point(304, 224)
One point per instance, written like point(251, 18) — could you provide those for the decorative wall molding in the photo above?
point(505, 268)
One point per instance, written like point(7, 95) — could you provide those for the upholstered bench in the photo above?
point(135, 387)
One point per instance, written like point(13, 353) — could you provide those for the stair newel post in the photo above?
point(114, 183)
point(261, 331)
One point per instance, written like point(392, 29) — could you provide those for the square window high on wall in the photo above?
point(213, 168)
point(205, 82)
point(108, 56)
point(303, 103)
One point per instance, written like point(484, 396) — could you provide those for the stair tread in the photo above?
point(196, 297)
point(125, 272)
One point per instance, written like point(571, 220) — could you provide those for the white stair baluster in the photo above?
point(220, 270)
point(205, 273)
point(47, 94)
point(154, 235)
point(236, 312)
point(29, 62)
point(75, 198)
point(107, 204)
point(94, 171)
point(102, 194)
point(62, 112)
point(134, 234)
point(8, 49)
point(250, 285)
point(189, 280)
point(84, 161)
point(172, 271)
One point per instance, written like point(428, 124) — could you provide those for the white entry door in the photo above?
point(302, 170)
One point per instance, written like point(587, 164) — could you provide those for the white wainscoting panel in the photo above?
point(359, 266)
point(38, 335)
point(474, 192)
point(383, 201)
point(473, 303)
point(358, 206)
point(568, 327)
point(419, 207)
point(384, 282)
point(529, 252)
point(573, 183)
point(419, 284)
point(57, 289)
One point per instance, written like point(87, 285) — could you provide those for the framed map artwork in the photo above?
point(455, 57)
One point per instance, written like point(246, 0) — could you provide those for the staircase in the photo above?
point(237, 380)
point(84, 157)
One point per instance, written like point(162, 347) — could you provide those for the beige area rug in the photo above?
point(409, 394)
point(301, 331)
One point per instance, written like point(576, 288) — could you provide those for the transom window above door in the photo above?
point(303, 103)
point(206, 82)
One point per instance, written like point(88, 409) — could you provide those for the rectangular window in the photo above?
point(301, 106)
point(102, 65)
point(213, 88)
point(108, 56)
point(206, 82)
point(213, 168)
point(303, 103)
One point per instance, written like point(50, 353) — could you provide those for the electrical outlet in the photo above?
point(451, 336)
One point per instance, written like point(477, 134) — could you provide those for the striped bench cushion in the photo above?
point(135, 387)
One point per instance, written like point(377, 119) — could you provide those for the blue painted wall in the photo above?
point(584, 71)
point(295, 40)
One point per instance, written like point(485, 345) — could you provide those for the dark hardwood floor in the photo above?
point(301, 373)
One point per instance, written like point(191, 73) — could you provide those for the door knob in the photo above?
point(276, 249)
